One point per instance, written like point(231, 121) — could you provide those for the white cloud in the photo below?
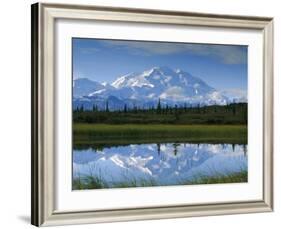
point(236, 91)
point(228, 54)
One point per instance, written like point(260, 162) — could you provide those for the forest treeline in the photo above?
point(235, 113)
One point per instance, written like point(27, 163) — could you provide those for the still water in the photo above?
point(164, 164)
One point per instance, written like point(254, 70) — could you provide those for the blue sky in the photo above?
point(223, 67)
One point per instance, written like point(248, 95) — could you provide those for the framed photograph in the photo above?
point(146, 114)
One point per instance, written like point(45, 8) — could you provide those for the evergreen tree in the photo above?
point(159, 106)
point(167, 109)
point(135, 108)
point(215, 108)
point(233, 109)
point(106, 106)
point(81, 108)
point(176, 112)
point(198, 108)
point(125, 108)
point(205, 109)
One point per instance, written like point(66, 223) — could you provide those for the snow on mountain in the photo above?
point(159, 79)
point(84, 86)
point(164, 83)
point(145, 88)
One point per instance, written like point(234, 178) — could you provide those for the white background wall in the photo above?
point(15, 111)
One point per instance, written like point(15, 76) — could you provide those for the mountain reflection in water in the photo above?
point(166, 164)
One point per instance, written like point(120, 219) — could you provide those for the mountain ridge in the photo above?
point(144, 89)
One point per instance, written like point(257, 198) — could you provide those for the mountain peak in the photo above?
point(161, 70)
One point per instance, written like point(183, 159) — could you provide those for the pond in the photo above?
point(155, 164)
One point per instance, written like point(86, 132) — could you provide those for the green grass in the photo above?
point(84, 134)
point(89, 182)
point(237, 177)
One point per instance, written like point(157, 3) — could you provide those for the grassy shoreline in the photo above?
point(84, 134)
point(89, 182)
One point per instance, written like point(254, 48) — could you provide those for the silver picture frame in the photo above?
point(43, 112)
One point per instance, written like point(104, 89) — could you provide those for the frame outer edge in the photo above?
point(156, 213)
point(268, 110)
point(42, 115)
point(34, 115)
point(43, 123)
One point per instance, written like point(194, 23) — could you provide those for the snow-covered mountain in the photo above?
point(145, 89)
